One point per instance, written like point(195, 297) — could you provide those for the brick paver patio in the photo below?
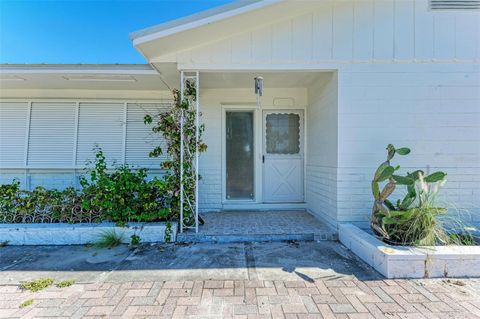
point(231, 226)
point(353, 299)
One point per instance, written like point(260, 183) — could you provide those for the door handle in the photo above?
point(263, 158)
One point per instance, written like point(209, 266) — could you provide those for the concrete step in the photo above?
point(189, 237)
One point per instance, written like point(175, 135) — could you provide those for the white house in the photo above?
point(342, 79)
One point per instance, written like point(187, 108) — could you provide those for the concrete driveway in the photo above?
point(250, 280)
point(204, 261)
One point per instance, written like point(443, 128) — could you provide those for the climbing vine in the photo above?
point(168, 124)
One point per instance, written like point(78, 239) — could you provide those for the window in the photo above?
point(282, 133)
point(13, 127)
point(140, 138)
point(52, 134)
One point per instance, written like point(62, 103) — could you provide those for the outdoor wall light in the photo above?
point(258, 89)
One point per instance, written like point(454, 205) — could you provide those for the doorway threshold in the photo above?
point(263, 206)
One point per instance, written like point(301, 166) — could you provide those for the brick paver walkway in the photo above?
point(251, 299)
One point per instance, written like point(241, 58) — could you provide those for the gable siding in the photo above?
point(352, 31)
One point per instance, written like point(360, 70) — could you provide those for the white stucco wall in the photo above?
point(322, 145)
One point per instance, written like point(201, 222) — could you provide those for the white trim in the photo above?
point(281, 67)
point(197, 138)
point(75, 136)
point(263, 206)
point(149, 34)
point(239, 108)
point(68, 168)
point(124, 133)
point(182, 92)
point(83, 100)
point(53, 69)
point(27, 133)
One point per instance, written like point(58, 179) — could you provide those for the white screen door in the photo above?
point(283, 156)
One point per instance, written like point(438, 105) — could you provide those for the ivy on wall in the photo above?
point(168, 124)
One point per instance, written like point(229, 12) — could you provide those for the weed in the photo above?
point(464, 239)
point(4, 243)
point(65, 283)
point(109, 239)
point(135, 240)
point(26, 303)
point(168, 232)
point(37, 284)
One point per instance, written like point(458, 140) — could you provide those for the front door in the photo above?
point(240, 160)
point(283, 156)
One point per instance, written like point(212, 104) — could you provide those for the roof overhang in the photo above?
point(85, 76)
point(212, 25)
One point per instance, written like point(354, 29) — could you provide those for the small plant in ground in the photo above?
point(462, 238)
point(65, 283)
point(37, 284)
point(109, 239)
point(168, 232)
point(134, 240)
point(26, 303)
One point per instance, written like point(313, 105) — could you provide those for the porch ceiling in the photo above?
point(283, 79)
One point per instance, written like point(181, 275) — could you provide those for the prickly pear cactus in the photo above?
point(381, 204)
point(384, 211)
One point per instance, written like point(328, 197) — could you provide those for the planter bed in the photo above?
point(411, 262)
point(79, 234)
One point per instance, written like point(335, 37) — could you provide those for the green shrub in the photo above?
point(123, 195)
point(37, 206)
point(120, 195)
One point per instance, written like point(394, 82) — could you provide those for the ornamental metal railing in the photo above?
point(188, 197)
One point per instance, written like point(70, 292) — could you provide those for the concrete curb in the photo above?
point(411, 262)
point(79, 234)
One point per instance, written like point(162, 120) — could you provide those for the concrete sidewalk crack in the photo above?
point(250, 262)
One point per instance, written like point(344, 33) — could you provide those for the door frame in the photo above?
point(257, 194)
point(302, 154)
point(258, 201)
